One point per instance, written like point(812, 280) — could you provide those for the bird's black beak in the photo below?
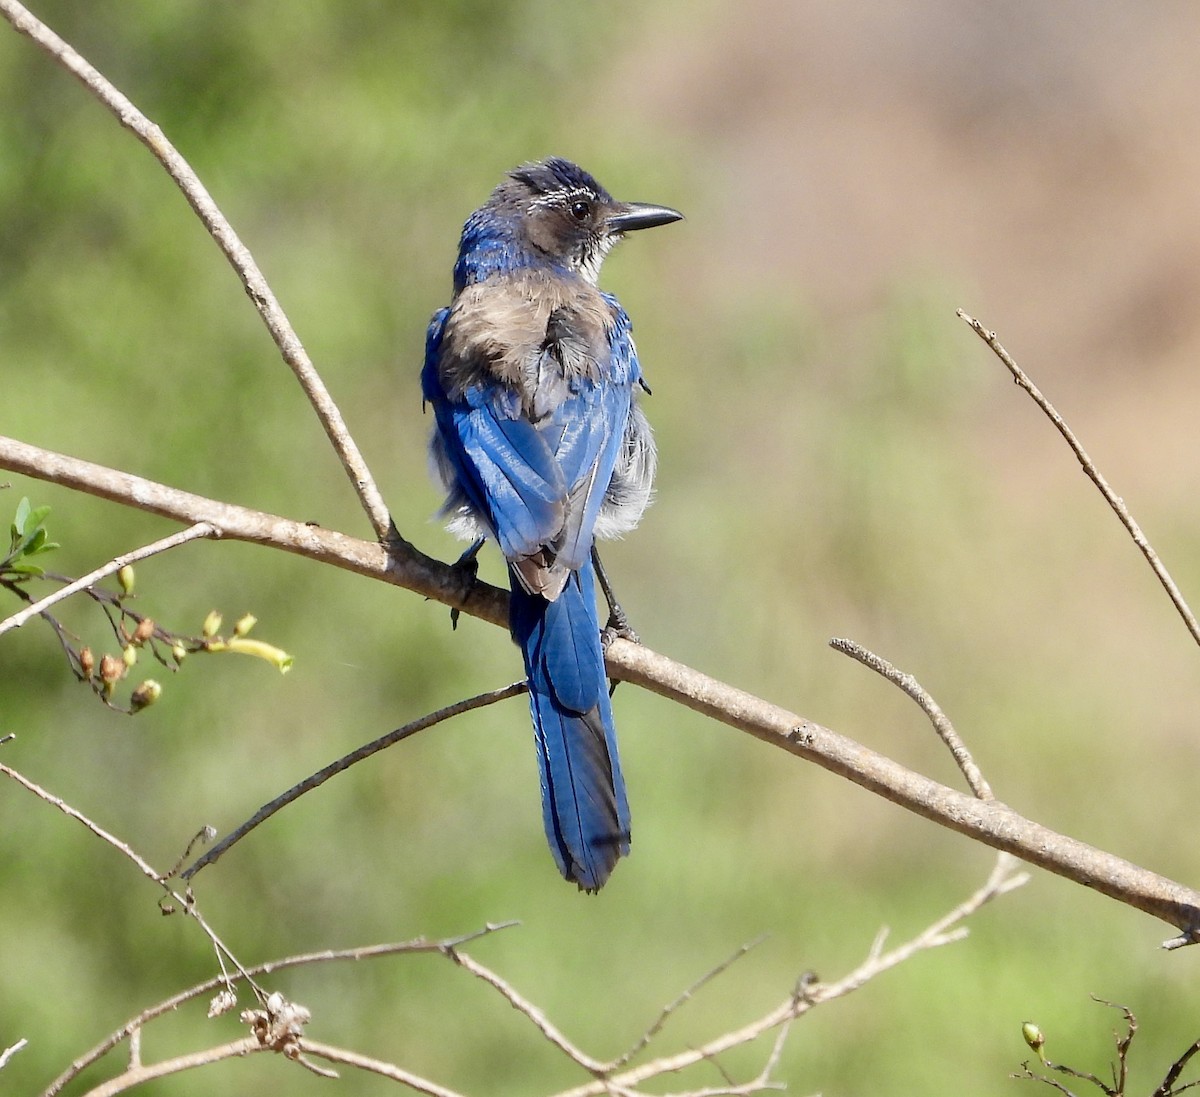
point(640, 215)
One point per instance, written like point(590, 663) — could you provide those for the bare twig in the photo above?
point(345, 762)
point(201, 838)
point(56, 801)
point(1001, 880)
point(941, 722)
point(680, 1000)
point(522, 1005)
point(169, 1005)
point(227, 240)
point(10, 1051)
point(375, 1066)
point(137, 1075)
point(809, 994)
point(1093, 473)
point(1028, 1075)
point(1167, 1087)
point(200, 529)
point(183, 902)
point(401, 564)
point(265, 1038)
point(1119, 1069)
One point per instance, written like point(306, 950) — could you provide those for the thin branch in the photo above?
point(10, 1051)
point(1121, 1070)
point(399, 563)
point(345, 762)
point(679, 1001)
point(183, 902)
point(522, 1005)
point(200, 529)
point(55, 801)
point(169, 1005)
point(772, 1062)
point(136, 1076)
point(1110, 497)
point(1167, 1087)
point(941, 722)
point(227, 240)
point(1028, 1075)
point(374, 1066)
point(278, 1028)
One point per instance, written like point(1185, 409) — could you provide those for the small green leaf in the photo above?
point(23, 509)
point(30, 570)
point(29, 536)
point(37, 516)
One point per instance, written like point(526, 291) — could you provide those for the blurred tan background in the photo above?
point(840, 455)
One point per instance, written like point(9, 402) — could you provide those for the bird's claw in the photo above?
point(466, 567)
point(618, 628)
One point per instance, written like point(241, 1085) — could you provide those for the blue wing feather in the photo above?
point(540, 486)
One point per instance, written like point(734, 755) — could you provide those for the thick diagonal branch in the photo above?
point(399, 563)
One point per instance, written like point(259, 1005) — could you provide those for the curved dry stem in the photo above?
point(139, 1074)
point(1110, 497)
point(523, 1005)
point(231, 246)
point(143, 865)
point(399, 563)
point(374, 1066)
point(671, 1007)
point(345, 762)
point(940, 721)
point(181, 902)
point(135, 1024)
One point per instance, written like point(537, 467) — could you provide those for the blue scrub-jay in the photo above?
point(539, 442)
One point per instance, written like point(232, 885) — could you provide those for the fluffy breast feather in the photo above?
point(533, 333)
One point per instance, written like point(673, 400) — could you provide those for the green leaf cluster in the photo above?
point(27, 538)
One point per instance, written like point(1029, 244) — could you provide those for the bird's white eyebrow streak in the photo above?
point(560, 198)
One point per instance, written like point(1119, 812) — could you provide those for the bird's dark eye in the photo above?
point(580, 209)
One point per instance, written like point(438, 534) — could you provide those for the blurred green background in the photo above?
point(839, 456)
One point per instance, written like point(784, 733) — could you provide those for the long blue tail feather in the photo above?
point(584, 806)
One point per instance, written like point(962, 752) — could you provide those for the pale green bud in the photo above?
point(1034, 1038)
point(145, 695)
point(261, 650)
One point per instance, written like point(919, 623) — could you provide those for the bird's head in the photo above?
point(562, 215)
